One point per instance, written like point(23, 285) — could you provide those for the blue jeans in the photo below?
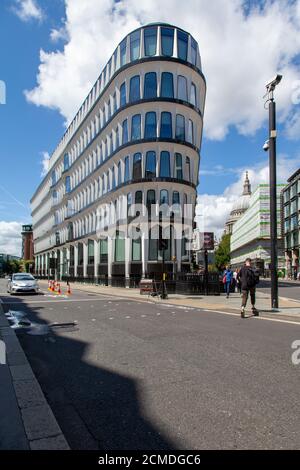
point(227, 287)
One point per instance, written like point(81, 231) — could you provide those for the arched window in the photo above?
point(108, 181)
point(164, 170)
point(136, 127)
point(135, 45)
point(164, 197)
point(167, 86)
point(108, 110)
point(181, 88)
point(113, 178)
point(134, 91)
point(150, 38)
point(176, 197)
point(167, 41)
point(178, 166)
point(150, 199)
point(191, 132)
point(188, 169)
point(182, 44)
point(193, 98)
point(127, 169)
point(119, 174)
point(123, 52)
point(150, 85)
point(117, 138)
point(124, 132)
point(180, 127)
point(150, 171)
point(194, 51)
point(123, 94)
point(150, 125)
point(137, 166)
point(138, 197)
point(166, 125)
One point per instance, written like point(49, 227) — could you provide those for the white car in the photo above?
point(22, 282)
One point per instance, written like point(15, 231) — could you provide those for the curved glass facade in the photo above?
point(135, 141)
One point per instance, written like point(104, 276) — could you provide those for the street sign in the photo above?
point(207, 241)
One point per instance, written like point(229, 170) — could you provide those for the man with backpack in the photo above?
point(248, 279)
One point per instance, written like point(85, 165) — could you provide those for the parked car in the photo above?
point(22, 282)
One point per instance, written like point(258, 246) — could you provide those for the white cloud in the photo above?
point(213, 210)
point(28, 10)
point(10, 238)
point(45, 163)
point(240, 52)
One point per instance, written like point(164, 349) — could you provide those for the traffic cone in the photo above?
point(58, 291)
point(52, 286)
point(69, 290)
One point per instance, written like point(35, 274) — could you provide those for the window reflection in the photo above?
point(182, 44)
point(182, 88)
point(191, 132)
point(178, 166)
point(150, 165)
point(127, 169)
point(150, 125)
point(167, 87)
point(194, 51)
point(150, 36)
point(135, 45)
point(166, 125)
point(123, 94)
point(136, 127)
point(137, 166)
point(124, 132)
point(193, 99)
point(180, 127)
point(164, 171)
point(134, 92)
point(123, 52)
point(167, 41)
point(150, 85)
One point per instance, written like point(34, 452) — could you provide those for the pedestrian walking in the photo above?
point(227, 280)
point(248, 278)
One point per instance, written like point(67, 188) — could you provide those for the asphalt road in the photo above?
point(135, 375)
point(287, 289)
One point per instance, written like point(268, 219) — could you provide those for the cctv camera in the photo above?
point(266, 146)
point(272, 83)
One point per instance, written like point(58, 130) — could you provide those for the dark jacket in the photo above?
point(245, 277)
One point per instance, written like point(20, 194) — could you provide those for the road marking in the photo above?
point(127, 316)
point(111, 318)
point(93, 319)
point(51, 301)
point(158, 313)
point(143, 316)
point(256, 318)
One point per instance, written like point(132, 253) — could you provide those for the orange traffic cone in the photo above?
point(58, 291)
point(69, 290)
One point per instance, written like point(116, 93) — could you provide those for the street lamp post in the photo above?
point(273, 190)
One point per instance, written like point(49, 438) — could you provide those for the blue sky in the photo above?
point(232, 140)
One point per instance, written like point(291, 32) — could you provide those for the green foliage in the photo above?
point(223, 252)
point(12, 266)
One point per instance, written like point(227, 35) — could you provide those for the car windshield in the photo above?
point(23, 277)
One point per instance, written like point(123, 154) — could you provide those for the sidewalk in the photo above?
point(26, 420)
point(289, 307)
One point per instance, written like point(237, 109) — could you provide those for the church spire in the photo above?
point(247, 186)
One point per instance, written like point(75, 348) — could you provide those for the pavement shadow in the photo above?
point(96, 408)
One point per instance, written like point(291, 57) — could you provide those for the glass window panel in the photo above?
point(150, 38)
point(124, 132)
point(166, 125)
point(103, 250)
point(135, 45)
point(150, 125)
point(153, 245)
point(129, 202)
point(178, 166)
point(138, 197)
point(134, 92)
point(193, 99)
point(66, 161)
point(164, 171)
point(167, 41)
point(113, 178)
point(182, 88)
point(90, 251)
point(167, 86)
point(150, 85)
point(194, 51)
point(114, 103)
point(117, 138)
point(119, 174)
point(150, 165)
point(180, 127)
point(136, 250)
point(191, 132)
point(136, 127)
point(176, 197)
point(127, 169)
point(188, 168)
point(182, 45)
point(123, 52)
point(150, 197)
point(123, 94)
point(119, 247)
point(137, 166)
point(68, 184)
point(164, 197)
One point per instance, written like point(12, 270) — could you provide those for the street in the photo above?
point(289, 289)
point(138, 375)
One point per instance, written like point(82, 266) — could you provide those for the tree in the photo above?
point(223, 252)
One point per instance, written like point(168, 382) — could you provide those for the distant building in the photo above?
point(27, 242)
point(4, 258)
point(291, 223)
point(251, 233)
point(240, 206)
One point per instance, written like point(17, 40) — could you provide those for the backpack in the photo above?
point(252, 278)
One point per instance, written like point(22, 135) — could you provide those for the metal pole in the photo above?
point(206, 271)
point(273, 202)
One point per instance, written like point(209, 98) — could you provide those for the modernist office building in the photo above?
point(135, 140)
point(291, 223)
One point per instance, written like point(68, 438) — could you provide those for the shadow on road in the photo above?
point(96, 408)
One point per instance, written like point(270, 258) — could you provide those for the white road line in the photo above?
point(256, 318)
point(127, 316)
